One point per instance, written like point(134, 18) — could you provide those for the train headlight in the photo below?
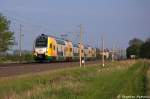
point(46, 53)
point(35, 53)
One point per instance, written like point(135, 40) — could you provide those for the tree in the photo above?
point(145, 49)
point(133, 50)
point(135, 41)
point(6, 36)
point(134, 47)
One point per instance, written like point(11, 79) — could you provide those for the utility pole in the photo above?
point(113, 53)
point(81, 32)
point(103, 52)
point(20, 49)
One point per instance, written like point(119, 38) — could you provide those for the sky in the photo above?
point(118, 21)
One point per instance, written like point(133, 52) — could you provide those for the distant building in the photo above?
point(117, 54)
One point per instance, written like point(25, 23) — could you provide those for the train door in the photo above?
point(52, 49)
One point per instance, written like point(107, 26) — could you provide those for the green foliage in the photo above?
point(78, 83)
point(135, 41)
point(134, 47)
point(136, 83)
point(15, 58)
point(145, 49)
point(139, 48)
point(6, 36)
point(133, 50)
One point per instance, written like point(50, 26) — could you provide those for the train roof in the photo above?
point(87, 46)
point(62, 41)
point(59, 41)
point(41, 37)
point(56, 37)
point(75, 45)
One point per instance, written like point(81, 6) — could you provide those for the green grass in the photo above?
point(16, 58)
point(119, 78)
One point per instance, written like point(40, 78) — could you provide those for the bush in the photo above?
point(16, 58)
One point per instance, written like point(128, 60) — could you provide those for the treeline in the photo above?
point(138, 48)
point(7, 41)
point(9, 58)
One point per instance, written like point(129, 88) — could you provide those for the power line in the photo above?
point(15, 20)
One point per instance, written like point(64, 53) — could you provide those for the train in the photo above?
point(50, 48)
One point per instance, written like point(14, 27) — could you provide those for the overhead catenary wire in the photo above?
point(29, 26)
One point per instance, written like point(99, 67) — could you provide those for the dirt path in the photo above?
point(148, 83)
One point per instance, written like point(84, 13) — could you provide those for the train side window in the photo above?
point(50, 46)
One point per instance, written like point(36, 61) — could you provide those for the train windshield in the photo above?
point(41, 42)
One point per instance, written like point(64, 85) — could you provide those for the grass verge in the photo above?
point(116, 79)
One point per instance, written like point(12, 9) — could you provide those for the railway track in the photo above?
point(25, 68)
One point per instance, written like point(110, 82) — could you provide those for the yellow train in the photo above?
point(50, 48)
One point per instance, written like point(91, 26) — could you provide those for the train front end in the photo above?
point(40, 48)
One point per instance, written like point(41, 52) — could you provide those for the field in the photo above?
point(115, 80)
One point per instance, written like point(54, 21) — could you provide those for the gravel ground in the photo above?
point(24, 68)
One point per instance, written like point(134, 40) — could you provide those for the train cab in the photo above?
point(45, 48)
